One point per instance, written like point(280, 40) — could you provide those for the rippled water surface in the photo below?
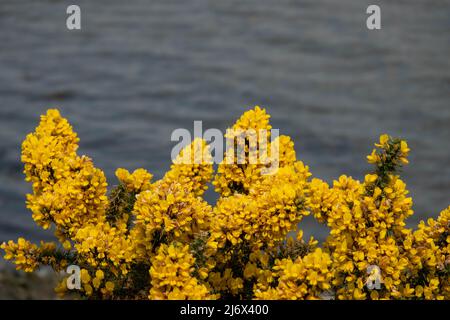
point(139, 69)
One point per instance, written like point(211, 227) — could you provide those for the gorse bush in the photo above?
point(161, 240)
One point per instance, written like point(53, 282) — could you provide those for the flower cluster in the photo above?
point(272, 208)
point(27, 256)
point(172, 208)
point(68, 190)
point(172, 275)
point(137, 181)
point(429, 252)
point(103, 245)
point(171, 212)
point(162, 240)
point(367, 223)
point(304, 278)
point(235, 176)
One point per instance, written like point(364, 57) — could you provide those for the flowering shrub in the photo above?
point(162, 240)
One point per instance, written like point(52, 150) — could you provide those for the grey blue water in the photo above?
point(139, 69)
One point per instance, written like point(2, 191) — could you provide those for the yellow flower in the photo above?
point(373, 157)
point(404, 147)
point(99, 274)
point(136, 182)
point(88, 289)
point(384, 138)
point(85, 277)
point(163, 240)
point(109, 286)
point(171, 275)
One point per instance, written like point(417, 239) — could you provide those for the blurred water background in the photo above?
point(140, 69)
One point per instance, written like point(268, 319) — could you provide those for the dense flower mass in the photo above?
point(161, 239)
point(304, 278)
point(172, 275)
point(68, 191)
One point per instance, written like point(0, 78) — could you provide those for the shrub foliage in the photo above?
point(160, 239)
